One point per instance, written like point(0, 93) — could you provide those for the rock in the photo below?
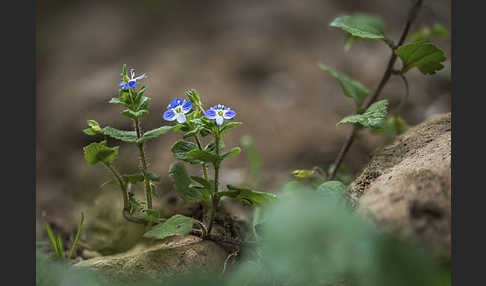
point(406, 187)
point(171, 256)
point(105, 229)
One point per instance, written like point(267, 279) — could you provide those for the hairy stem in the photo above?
point(386, 76)
point(143, 161)
point(203, 166)
point(216, 183)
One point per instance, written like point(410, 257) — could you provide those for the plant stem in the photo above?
point(205, 172)
point(404, 98)
point(386, 76)
point(148, 195)
point(216, 183)
point(123, 187)
point(76, 238)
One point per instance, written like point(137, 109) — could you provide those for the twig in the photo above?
point(232, 254)
point(386, 76)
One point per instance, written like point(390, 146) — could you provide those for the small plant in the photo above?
point(56, 241)
point(195, 122)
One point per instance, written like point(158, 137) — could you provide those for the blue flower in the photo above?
point(220, 113)
point(132, 81)
point(177, 109)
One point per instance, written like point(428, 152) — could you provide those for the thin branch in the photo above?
point(386, 76)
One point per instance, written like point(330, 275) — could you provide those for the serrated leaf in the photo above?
point(176, 225)
point(351, 88)
point(99, 152)
point(231, 153)
point(361, 25)
point(178, 173)
point(228, 126)
point(117, 100)
point(89, 131)
point(133, 178)
point(151, 176)
point(211, 147)
point(428, 33)
point(154, 133)
point(134, 114)
point(203, 156)
point(423, 55)
point(122, 135)
point(373, 117)
point(180, 149)
point(249, 197)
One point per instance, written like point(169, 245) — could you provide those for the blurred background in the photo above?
point(258, 57)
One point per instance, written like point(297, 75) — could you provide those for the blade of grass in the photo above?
point(77, 237)
point(59, 245)
point(53, 240)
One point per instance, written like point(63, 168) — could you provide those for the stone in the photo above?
point(406, 187)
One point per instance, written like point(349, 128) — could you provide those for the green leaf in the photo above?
point(122, 135)
point(228, 126)
point(394, 126)
point(231, 153)
point(178, 173)
point(154, 133)
point(428, 33)
point(193, 97)
point(211, 147)
point(144, 103)
point(373, 117)
point(52, 239)
point(150, 215)
point(118, 100)
point(203, 156)
point(134, 114)
point(94, 125)
point(361, 25)
point(151, 176)
point(192, 133)
point(248, 196)
point(176, 225)
point(351, 88)
point(180, 149)
point(423, 55)
point(109, 182)
point(133, 178)
point(99, 152)
point(89, 131)
point(202, 181)
point(349, 42)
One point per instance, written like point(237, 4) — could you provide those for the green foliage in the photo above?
point(56, 241)
point(233, 152)
point(203, 156)
point(154, 133)
point(361, 25)
point(180, 149)
point(133, 178)
point(228, 126)
point(423, 55)
point(99, 152)
point(194, 97)
point(94, 128)
point(248, 197)
point(394, 126)
point(373, 117)
point(178, 174)
point(150, 215)
point(343, 174)
point(430, 32)
point(122, 135)
point(176, 225)
point(134, 114)
point(351, 88)
point(151, 176)
point(315, 176)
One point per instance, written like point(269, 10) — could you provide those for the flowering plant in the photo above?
point(195, 122)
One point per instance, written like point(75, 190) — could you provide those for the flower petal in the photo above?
point(228, 114)
point(181, 118)
point(219, 120)
point(187, 106)
point(170, 115)
point(132, 83)
point(175, 102)
point(140, 77)
point(210, 114)
point(124, 85)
